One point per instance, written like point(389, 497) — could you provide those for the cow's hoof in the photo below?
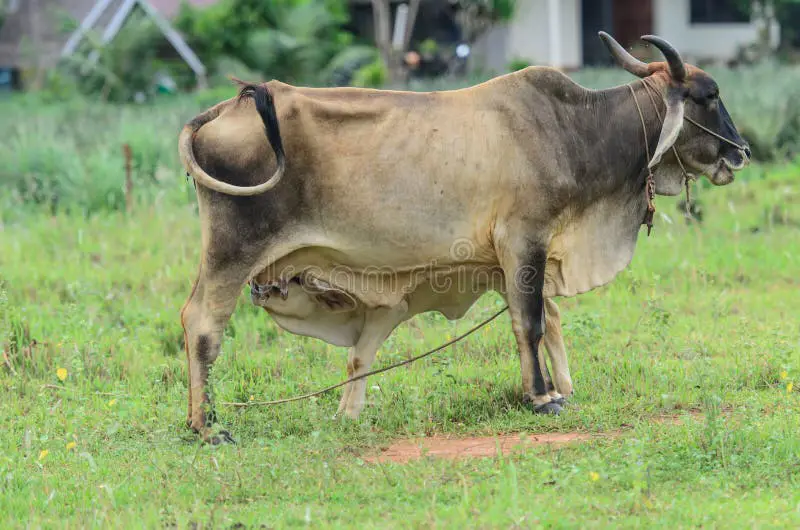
point(561, 401)
point(551, 407)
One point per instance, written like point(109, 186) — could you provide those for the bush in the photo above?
point(291, 40)
point(373, 75)
point(68, 156)
point(126, 66)
point(518, 64)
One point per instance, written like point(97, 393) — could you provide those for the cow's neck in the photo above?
point(600, 138)
point(599, 225)
point(619, 160)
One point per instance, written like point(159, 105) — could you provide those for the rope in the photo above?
point(715, 135)
point(650, 187)
point(373, 372)
point(687, 177)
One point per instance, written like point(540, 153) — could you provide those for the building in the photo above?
point(563, 33)
point(32, 36)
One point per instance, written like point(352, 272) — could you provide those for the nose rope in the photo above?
point(712, 133)
point(687, 176)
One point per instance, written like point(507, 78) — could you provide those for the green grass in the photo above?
point(705, 320)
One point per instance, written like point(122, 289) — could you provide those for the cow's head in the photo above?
point(689, 92)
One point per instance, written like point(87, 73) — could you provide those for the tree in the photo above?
point(391, 52)
point(475, 17)
point(292, 40)
point(772, 13)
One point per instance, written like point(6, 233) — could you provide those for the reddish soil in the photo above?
point(453, 448)
point(439, 446)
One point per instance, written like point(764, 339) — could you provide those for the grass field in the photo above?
point(702, 331)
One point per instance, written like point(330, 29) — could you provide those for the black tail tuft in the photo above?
point(265, 106)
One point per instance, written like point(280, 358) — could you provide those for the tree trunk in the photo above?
point(393, 57)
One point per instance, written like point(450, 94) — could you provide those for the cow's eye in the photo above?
point(708, 99)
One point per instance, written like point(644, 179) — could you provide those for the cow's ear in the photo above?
point(673, 123)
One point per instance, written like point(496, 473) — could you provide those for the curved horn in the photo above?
point(625, 59)
point(676, 66)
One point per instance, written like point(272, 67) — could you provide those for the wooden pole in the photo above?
point(126, 150)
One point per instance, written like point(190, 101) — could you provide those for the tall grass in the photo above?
point(68, 155)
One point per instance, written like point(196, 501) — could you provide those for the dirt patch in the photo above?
point(484, 446)
point(452, 448)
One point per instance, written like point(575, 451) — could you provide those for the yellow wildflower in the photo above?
point(43, 454)
point(112, 402)
point(784, 374)
point(61, 373)
point(789, 388)
point(594, 477)
point(251, 398)
point(71, 446)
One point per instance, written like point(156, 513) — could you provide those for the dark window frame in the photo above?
point(717, 12)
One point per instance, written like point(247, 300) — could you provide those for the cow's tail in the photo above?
point(265, 106)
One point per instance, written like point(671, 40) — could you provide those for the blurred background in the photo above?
point(93, 92)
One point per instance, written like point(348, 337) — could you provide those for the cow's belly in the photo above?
point(337, 317)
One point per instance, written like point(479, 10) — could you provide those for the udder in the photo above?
point(304, 305)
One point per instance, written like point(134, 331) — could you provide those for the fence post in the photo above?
point(126, 150)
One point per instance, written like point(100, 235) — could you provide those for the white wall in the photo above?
point(529, 36)
point(671, 20)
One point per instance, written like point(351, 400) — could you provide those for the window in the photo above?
point(718, 11)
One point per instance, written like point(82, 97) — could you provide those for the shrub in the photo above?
point(291, 40)
point(68, 156)
point(518, 64)
point(120, 69)
point(372, 75)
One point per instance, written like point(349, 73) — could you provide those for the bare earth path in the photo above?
point(452, 448)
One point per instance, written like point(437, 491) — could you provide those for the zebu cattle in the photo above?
point(349, 210)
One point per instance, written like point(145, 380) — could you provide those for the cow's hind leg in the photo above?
point(204, 317)
point(378, 324)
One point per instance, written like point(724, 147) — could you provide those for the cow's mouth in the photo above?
point(722, 172)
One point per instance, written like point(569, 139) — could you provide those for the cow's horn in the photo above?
point(625, 59)
point(676, 66)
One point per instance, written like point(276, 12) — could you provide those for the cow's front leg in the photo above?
point(524, 274)
point(554, 342)
point(548, 381)
point(204, 317)
point(378, 325)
